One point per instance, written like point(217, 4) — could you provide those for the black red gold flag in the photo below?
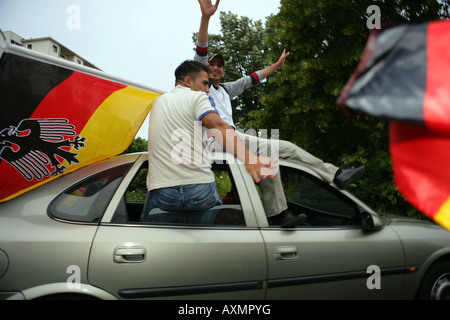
point(403, 78)
point(57, 116)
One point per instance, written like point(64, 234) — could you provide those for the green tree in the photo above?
point(137, 189)
point(326, 40)
point(138, 145)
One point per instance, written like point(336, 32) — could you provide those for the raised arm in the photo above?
point(235, 88)
point(208, 10)
point(274, 67)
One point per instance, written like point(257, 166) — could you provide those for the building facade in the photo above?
point(48, 46)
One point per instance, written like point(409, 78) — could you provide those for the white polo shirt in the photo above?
point(177, 144)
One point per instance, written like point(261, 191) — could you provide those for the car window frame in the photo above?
point(333, 191)
point(247, 209)
point(259, 211)
point(50, 207)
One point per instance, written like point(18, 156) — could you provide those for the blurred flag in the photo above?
point(403, 78)
point(57, 116)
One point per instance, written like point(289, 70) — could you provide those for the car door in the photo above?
point(220, 256)
point(330, 256)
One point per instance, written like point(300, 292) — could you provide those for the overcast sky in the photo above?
point(141, 41)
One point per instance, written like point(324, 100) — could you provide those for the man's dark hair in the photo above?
point(189, 68)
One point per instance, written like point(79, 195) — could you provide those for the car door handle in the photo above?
point(286, 253)
point(129, 254)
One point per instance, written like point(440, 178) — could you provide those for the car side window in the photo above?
point(230, 213)
point(323, 205)
point(87, 200)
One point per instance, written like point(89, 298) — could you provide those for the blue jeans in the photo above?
point(192, 197)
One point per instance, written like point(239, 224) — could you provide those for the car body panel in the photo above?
point(321, 255)
point(424, 243)
point(180, 252)
point(336, 259)
point(133, 260)
point(177, 258)
point(63, 290)
point(42, 248)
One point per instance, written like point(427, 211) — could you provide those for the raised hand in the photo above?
point(208, 9)
point(282, 59)
point(277, 65)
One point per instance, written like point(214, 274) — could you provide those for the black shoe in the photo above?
point(345, 177)
point(289, 219)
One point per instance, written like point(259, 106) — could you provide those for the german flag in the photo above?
point(57, 117)
point(403, 78)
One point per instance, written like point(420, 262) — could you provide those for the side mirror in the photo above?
point(368, 223)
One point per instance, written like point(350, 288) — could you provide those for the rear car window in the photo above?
point(87, 200)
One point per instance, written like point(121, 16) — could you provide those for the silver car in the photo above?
point(80, 236)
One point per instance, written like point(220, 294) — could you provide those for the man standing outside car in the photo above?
point(273, 196)
point(190, 185)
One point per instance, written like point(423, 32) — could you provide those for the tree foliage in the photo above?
point(326, 39)
point(136, 192)
point(138, 145)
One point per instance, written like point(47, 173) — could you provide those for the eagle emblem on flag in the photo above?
point(36, 148)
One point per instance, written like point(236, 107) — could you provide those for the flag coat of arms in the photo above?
point(57, 116)
point(403, 78)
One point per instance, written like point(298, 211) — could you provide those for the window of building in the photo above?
point(30, 46)
point(54, 48)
